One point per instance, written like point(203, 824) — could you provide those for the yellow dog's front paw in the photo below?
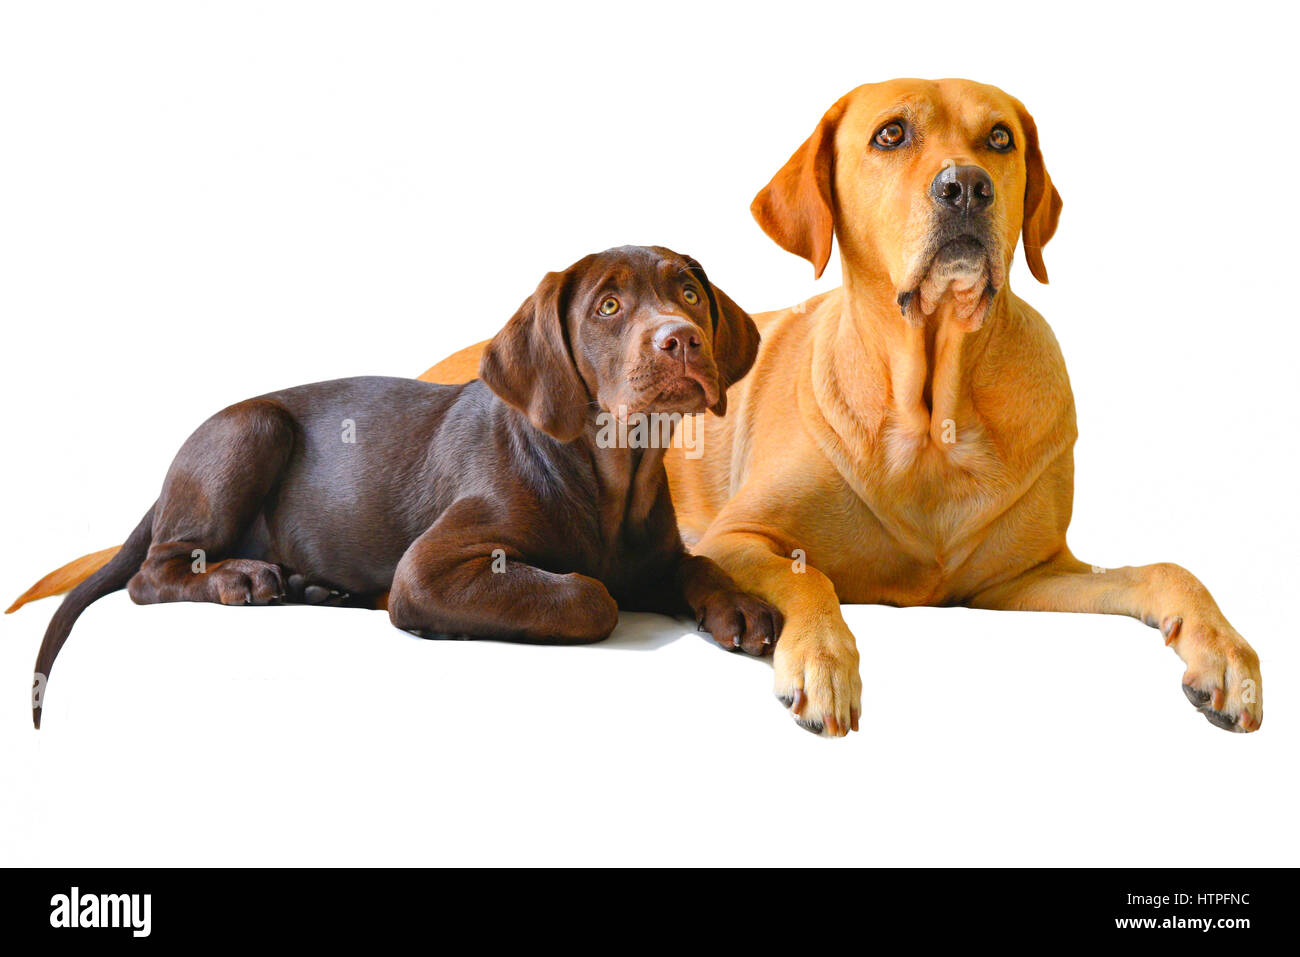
point(817, 679)
point(1222, 680)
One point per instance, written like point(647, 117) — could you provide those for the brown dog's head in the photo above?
point(635, 328)
point(927, 182)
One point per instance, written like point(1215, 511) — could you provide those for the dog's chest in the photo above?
point(944, 511)
point(936, 489)
point(922, 452)
point(614, 523)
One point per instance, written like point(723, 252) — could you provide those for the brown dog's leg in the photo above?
point(1222, 679)
point(466, 579)
point(737, 620)
point(214, 490)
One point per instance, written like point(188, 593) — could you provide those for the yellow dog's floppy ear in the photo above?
point(530, 365)
point(797, 208)
point(1042, 201)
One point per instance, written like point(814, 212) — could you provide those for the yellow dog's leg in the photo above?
point(816, 659)
point(1222, 679)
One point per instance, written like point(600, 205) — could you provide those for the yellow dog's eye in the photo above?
point(608, 306)
point(690, 295)
point(890, 136)
point(1000, 139)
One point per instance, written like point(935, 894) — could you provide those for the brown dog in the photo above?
point(907, 438)
point(503, 508)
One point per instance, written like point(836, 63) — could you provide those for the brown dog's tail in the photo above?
point(66, 578)
point(114, 574)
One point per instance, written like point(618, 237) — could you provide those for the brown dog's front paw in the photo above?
point(740, 622)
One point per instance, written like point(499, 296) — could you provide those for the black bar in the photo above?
point(1218, 905)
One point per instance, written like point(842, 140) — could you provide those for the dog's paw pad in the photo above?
point(816, 727)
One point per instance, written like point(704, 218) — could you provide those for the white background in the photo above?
point(205, 202)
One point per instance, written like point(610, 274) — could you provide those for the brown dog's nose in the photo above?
point(681, 340)
point(966, 189)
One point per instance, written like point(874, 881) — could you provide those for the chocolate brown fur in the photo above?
point(487, 509)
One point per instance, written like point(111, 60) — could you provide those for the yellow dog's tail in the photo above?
point(66, 578)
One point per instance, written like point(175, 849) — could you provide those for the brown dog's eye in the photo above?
point(608, 306)
point(890, 135)
point(1000, 139)
point(690, 295)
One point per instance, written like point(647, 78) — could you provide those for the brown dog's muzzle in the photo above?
point(679, 369)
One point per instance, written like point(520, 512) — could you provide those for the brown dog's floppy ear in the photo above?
point(735, 337)
point(529, 363)
point(1042, 201)
point(797, 207)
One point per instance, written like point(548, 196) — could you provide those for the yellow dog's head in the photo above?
point(928, 183)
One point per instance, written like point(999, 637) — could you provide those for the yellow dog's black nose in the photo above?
point(966, 189)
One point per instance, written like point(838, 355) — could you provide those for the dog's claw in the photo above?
point(1170, 629)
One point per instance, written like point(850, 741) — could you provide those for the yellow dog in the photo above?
point(907, 438)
